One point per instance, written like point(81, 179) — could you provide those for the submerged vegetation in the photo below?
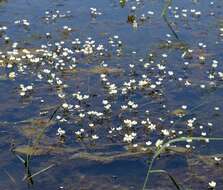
point(119, 94)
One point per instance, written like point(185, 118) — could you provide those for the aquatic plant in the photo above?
point(161, 149)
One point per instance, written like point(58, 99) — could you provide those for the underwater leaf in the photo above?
point(34, 127)
point(43, 150)
point(104, 70)
point(131, 19)
point(30, 150)
point(179, 112)
point(177, 149)
point(122, 3)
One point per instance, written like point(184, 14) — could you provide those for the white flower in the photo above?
point(217, 159)
point(148, 124)
point(94, 137)
point(60, 132)
point(159, 143)
point(135, 24)
point(107, 107)
point(81, 115)
point(12, 75)
point(22, 93)
point(212, 184)
point(124, 107)
point(143, 83)
point(91, 125)
point(129, 138)
point(105, 102)
point(78, 133)
point(65, 105)
point(129, 123)
point(148, 143)
point(203, 134)
point(133, 8)
point(184, 107)
point(165, 132)
point(170, 73)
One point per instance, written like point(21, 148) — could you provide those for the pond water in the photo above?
point(89, 90)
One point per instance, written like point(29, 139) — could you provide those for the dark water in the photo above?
point(157, 67)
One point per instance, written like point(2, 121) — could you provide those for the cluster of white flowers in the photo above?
point(143, 83)
point(3, 28)
point(23, 22)
point(132, 105)
point(116, 99)
point(67, 106)
point(95, 113)
point(112, 89)
point(88, 46)
point(130, 123)
point(106, 104)
point(80, 97)
point(94, 12)
point(129, 137)
point(148, 124)
point(67, 29)
point(25, 89)
point(129, 86)
point(80, 133)
point(54, 15)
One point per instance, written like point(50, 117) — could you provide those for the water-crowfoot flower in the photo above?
point(95, 137)
point(132, 105)
point(190, 122)
point(130, 123)
point(165, 132)
point(212, 184)
point(148, 124)
point(217, 159)
point(25, 89)
point(129, 137)
point(12, 75)
point(80, 97)
point(159, 143)
point(148, 143)
point(60, 132)
point(94, 12)
point(80, 133)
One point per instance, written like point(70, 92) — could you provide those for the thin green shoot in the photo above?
point(162, 149)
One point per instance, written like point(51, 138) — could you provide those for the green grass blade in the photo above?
point(162, 149)
point(164, 11)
